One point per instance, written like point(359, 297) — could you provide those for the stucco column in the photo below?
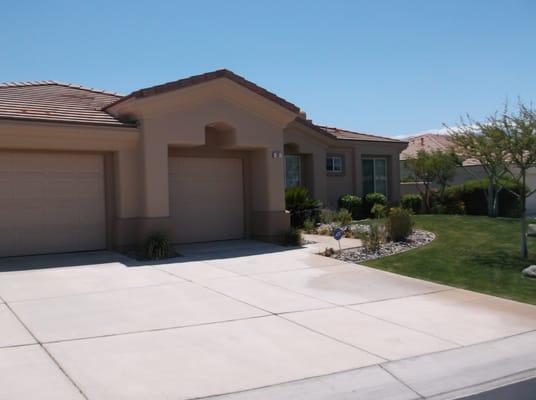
point(155, 179)
point(127, 183)
point(394, 184)
point(358, 174)
point(320, 177)
point(269, 219)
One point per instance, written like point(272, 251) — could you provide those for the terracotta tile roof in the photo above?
point(344, 134)
point(431, 142)
point(58, 102)
point(428, 142)
point(209, 76)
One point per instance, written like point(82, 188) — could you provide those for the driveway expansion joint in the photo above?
point(38, 343)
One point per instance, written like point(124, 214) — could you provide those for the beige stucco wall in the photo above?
point(329, 187)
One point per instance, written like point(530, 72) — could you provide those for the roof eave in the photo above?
point(203, 78)
point(70, 122)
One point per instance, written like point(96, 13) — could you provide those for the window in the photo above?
point(374, 175)
point(334, 164)
point(292, 171)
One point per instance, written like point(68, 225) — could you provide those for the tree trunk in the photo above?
point(492, 212)
point(524, 251)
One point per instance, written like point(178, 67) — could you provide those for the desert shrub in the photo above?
point(378, 210)
point(327, 216)
point(293, 237)
point(453, 207)
point(328, 252)
point(412, 202)
point(343, 217)
point(157, 247)
point(371, 199)
point(351, 203)
point(309, 226)
point(373, 239)
point(473, 196)
point(399, 224)
point(324, 230)
point(300, 205)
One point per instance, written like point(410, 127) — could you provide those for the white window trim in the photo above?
point(374, 172)
point(334, 156)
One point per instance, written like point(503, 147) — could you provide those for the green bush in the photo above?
point(412, 202)
point(378, 210)
point(351, 203)
point(473, 196)
point(293, 237)
point(157, 247)
point(399, 224)
point(373, 239)
point(309, 226)
point(371, 199)
point(343, 217)
point(300, 205)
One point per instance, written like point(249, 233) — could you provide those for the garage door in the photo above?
point(206, 198)
point(51, 202)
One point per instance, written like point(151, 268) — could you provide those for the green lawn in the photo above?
point(470, 252)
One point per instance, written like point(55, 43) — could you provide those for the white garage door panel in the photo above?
point(206, 198)
point(51, 202)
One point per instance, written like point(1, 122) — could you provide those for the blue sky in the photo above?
point(387, 67)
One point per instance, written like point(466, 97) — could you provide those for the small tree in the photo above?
point(520, 131)
point(484, 142)
point(432, 167)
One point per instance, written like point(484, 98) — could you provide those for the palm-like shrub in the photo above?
point(301, 205)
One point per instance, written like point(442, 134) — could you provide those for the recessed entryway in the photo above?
point(206, 198)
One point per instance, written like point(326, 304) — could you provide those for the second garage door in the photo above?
point(206, 198)
point(51, 202)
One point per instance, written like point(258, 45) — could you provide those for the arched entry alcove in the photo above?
point(220, 134)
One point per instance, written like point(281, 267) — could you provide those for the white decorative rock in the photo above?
point(530, 272)
point(531, 230)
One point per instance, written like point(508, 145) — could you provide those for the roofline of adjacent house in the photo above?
point(202, 78)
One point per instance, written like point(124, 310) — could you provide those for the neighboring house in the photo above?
point(471, 169)
point(203, 158)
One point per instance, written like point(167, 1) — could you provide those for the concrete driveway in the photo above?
point(249, 320)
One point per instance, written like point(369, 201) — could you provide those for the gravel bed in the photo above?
point(358, 254)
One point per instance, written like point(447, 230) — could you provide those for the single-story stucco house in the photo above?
point(200, 159)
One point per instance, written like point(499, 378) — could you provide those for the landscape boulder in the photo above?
point(530, 272)
point(531, 230)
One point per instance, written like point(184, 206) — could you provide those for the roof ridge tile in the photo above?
point(49, 82)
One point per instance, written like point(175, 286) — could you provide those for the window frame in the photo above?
point(334, 172)
point(386, 177)
point(298, 158)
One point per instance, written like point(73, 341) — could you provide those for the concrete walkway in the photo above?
point(249, 320)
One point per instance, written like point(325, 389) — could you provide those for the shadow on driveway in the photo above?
point(189, 252)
